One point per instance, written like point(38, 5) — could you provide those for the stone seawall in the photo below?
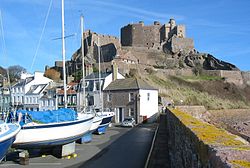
point(195, 144)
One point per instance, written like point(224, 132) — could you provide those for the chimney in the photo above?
point(5, 82)
point(38, 75)
point(114, 71)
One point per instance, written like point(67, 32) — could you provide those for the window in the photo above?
point(109, 97)
point(69, 99)
point(148, 96)
point(131, 97)
point(86, 84)
point(52, 102)
point(74, 99)
point(131, 111)
point(97, 85)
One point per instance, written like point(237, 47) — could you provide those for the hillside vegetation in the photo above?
point(212, 92)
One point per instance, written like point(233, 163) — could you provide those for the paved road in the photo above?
point(130, 150)
point(119, 147)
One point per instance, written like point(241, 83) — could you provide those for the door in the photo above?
point(121, 114)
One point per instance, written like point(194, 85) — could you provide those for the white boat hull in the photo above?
point(7, 137)
point(96, 122)
point(106, 120)
point(54, 134)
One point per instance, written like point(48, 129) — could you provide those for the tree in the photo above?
point(52, 74)
point(78, 76)
point(15, 72)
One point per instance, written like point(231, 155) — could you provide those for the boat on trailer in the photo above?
point(8, 132)
point(95, 124)
point(36, 134)
point(106, 120)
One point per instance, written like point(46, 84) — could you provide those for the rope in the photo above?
point(4, 45)
point(39, 42)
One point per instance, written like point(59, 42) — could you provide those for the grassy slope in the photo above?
point(212, 92)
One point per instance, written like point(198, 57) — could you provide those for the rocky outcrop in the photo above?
point(207, 62)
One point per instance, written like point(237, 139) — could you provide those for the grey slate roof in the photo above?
point(129, 84)
point(95, 75)
point(34, 87)
point(23, 82)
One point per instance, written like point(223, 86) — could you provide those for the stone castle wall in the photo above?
point(92, 39)
point(156, 36)
point(237, 77)
point(230, 76)
point(194, 143)
point(141, 36)
point(176, 72)
point(246, 77)
point(181, 45)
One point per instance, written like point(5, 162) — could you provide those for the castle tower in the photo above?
point(172, 24)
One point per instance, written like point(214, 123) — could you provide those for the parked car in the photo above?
point(128, 122)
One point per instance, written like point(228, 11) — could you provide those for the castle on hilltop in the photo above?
point(169, 36)
point(163, 46)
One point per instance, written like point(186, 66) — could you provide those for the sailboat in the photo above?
point(37, 134)
point(106, 115)
point(8, 132)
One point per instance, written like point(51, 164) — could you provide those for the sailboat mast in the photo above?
point(5, 54)
point(99, 73)
point(83, 67)
point(63, 57)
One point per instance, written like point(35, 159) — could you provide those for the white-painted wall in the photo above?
point(38, 79)
point(148, 107)
point(108, 79)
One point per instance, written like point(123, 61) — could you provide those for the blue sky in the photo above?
point(218, 27)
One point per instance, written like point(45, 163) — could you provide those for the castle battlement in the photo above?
point(156, 36)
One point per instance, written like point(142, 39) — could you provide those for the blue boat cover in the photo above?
point(49, 116)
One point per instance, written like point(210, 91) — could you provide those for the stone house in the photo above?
point(93, 88)
point(131, 97)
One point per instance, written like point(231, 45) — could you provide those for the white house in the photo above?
point(27, 92)
point(131, 97)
